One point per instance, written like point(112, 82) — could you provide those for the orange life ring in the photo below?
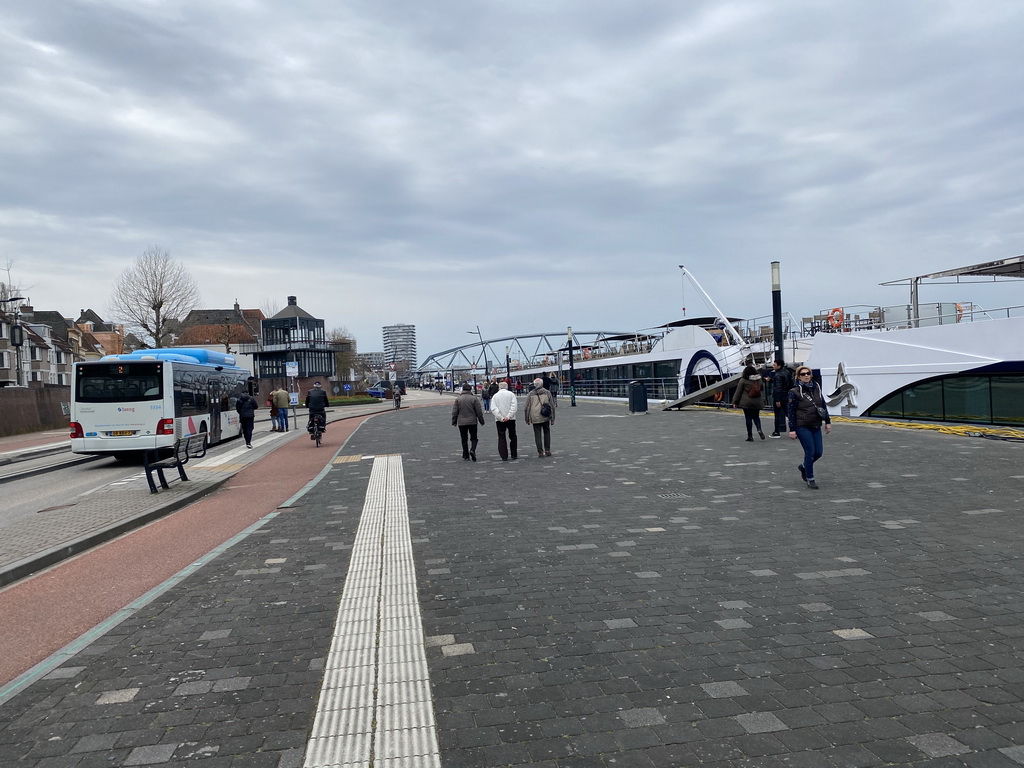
point(836, 317)
point(959, 312)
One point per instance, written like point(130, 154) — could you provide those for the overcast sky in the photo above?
point(521, 166)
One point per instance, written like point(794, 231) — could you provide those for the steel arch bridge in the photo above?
point(524, 351)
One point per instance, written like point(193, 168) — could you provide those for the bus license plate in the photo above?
point(122, 433)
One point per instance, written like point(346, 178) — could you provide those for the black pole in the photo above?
point(777, 311)
point(572, 376)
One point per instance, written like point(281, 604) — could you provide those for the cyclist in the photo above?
point(316, 402)
point(397, 394)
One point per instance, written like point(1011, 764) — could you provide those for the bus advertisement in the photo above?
point(123, 405)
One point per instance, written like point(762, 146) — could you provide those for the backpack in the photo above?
point(755, 389)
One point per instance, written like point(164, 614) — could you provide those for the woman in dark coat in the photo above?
point(748, 397)
point(807, 412)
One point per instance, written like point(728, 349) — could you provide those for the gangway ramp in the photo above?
point(700, 394)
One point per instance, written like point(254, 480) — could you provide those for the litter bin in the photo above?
point(637, 397)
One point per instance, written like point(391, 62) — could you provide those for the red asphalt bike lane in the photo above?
point(45, 612)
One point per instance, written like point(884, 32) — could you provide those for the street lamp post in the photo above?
point(483, 349)
point(777, 311)
point(17, 338)
point(572, 375)
point(508, 366)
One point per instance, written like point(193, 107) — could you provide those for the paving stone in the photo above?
point(715, 640)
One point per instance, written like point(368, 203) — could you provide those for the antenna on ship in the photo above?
point(682, 280)
point(725, 324)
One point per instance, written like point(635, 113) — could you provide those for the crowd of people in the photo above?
point(496, 397)
point(797, 403)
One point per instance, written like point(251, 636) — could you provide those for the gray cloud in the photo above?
point(522, 166)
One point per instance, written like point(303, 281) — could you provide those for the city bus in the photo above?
point(124, 405)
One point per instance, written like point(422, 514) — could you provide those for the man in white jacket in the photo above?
point(503, 408)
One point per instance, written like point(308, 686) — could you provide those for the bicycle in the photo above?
point(317, 428)
point(398, 401)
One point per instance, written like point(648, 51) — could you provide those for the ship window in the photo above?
point(967, 399)
point(923, 401)
point(972, 399)
point(1008, 399)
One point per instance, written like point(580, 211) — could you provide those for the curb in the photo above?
point(37, 562)
point(34, 453)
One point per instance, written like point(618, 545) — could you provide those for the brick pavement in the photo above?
point(657, 593)
point(31, 543)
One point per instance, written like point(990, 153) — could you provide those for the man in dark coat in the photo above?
point(782, 383)
point(467, 413)
point(316, 402)
point(246, 406)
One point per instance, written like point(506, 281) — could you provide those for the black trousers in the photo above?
point(508, 427)
point(780, 417)
point(752, 417)
point(468, 434)
point(247, 425)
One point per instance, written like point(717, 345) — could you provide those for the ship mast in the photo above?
point(733, 333)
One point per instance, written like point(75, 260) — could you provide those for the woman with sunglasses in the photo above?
point(807, 411)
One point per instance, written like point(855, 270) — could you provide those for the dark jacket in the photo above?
point(744, 397)
point(802, 407)
point(467, 410)
point(783, 383)
point(492, 390)
point(246, 407)
point(316, 400)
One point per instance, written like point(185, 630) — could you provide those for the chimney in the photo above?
point(292, 301)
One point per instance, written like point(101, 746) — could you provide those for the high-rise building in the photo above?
point(400, 346)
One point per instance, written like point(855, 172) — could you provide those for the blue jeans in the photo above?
point(810, 439)
point(282, 419)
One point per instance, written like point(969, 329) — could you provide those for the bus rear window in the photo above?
point(118, 382)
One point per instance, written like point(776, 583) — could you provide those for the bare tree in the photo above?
point(9, 289)
point(271, 307)
point(153, 295)
point(344, 345)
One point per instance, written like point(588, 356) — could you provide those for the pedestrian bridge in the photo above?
point(516, 352)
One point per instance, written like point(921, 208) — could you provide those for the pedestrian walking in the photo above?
point(552, 386)
point(246, 406)
point(782, 382)
point(519, 388)
point(748, 397)
point(485, 395)
point(807, 411)
point(540, 413)
point(492, 390)
point(282, 401)
point(467, 413)
point(503, 406)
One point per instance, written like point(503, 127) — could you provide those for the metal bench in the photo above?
point(185, 448)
